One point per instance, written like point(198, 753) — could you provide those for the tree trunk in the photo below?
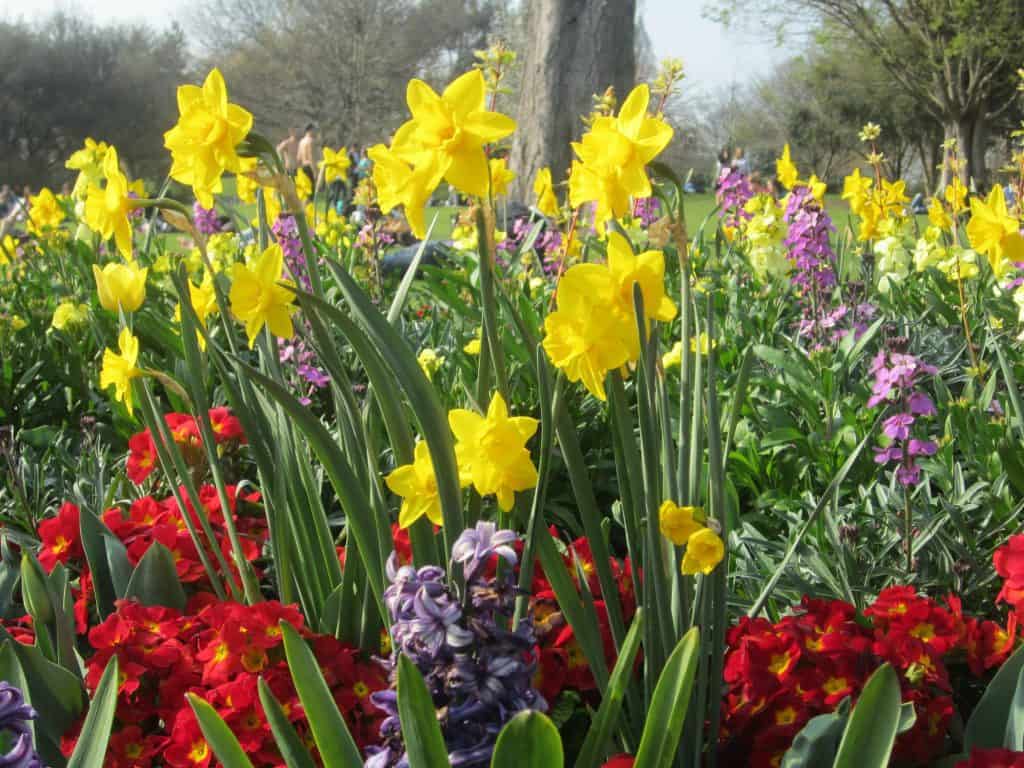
point(979, 147)
point(576, 48)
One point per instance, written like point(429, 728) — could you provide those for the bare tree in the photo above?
point(575, 48)
point(953, 57)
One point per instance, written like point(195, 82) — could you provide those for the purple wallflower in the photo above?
point(479, 672)
point(207, 220)
point(897, 376)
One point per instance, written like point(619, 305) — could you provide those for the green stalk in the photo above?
point(488, 300)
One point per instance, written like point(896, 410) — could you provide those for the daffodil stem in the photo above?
point(488, 297)
point(908, 531)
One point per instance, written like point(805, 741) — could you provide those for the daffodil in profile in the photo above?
point(245, 181)
point(335, 164)
point(204, 142)
point(88, 161)
point(994, 232)
point(399, 183)
point(678, 523)
point(121, 287)
point(448, 132)
point(647, 270)
point(491, 450)
point(44, 212)
point(547, 202)
point(107, 209)
point(704, 551)
point(785, 169)
point(417, 485)
point(855, 190)
point(119, 368)
point(257, 297)
point(501, 176)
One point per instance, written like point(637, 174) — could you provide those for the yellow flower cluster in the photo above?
point(685, 527)
point(880, 207)
point(492, 457)
point(444, 140)
point(594, 330)
point(612, 155)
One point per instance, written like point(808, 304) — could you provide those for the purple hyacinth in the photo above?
point(478, 671)
point(15, 733)
point(897, 377)
point(207, 220)
point(647, 209)
point(286, 232)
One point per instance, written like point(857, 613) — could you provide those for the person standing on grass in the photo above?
point(307, 153)
point(739, 162)
point(288, 150)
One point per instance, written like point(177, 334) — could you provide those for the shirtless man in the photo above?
point(288, 149)
point(307, 153)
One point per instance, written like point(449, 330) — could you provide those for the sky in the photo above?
point(715, 57)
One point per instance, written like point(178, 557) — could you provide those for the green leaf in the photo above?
point(529, 739)
point(420, 729)
point(218, 735)
point(91, 748)
point(104, 553)
point(1014, 736)
point(986, 728)
point(398, 302)
point(289, 744)
point(155, 580)
point(671, 698)
point(334, 741)
point(604, 720)
point(10, 670)
point(871, 730)
point(817, 742)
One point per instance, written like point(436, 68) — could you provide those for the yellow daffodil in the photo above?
point(501, 176)
point(955, 195)
point(245, 182)
point(785, 169)
point(88, 161)
point(204, 141)
point(674, 357)
point(612, 158)
point(106, 210)
point(430, 362)
point(679, 523)
point(855, 191)
point(257, 299)
point(335, 164)
point(44, 212)
point(937, 215)
point(121, 286)
point(646, 269)
point(17, 323)
point(994, 232)
point(818, 188)
point(8, 249)
point(582, 338)
point(303, 186)
point(398, 183)
point(702, 341)
point(547, 202)
point(704, 550)
point(203, 298)
point(120, 368)
point(472, 347)
point(69, 314)
point(447, 133)
point(417, 485)
point(492, 450)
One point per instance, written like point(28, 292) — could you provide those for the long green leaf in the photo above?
point(218, 735)
point(671, 698)
point(292, 750)
point(871, 730)
point(986, 727)
point(603, 722)
point(420, 729)
point(334, 741)
point(529, 739)
point(91, 748)
point(1014, 737)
